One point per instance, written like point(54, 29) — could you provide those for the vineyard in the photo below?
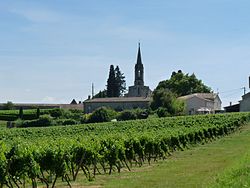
point(40, 156)
point(12, 115)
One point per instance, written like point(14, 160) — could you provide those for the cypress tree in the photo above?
point(120, 82)
point(37, 113)
point(111, 82)
point(21, 112)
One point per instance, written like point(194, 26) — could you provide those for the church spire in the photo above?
point(139, 72)
point(139, 55)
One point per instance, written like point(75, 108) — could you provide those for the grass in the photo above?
point(237, 176)
point(199, 166)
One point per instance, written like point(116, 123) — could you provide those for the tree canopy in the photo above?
point(101, 94)
point(116, 84)
point(167, 100)
point(184, 84)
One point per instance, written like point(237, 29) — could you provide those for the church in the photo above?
point(138, 96)
point(138, 89)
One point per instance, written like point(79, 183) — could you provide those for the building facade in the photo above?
point(245, 103)
point(202, 103)
point(116, 103)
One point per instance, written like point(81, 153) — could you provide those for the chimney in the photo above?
point(230, 104)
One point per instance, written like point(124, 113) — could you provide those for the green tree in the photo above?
point(101, 94)
point(116, 84)
point(111, 83)
point(102, 114)
point(164, 98)
point(183, 84)
point(21, 112)
point(37, 113)
point(120, 82)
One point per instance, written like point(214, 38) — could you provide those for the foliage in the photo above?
point(116, 84)
point(120, 82)
point(111, 83)
point(61, 152)
point(127, 115)
point(43, 121)
point(38, 113)
point(166, 99)
point(101, 94)
point(102, 114)
point(8, 106)
point(141, 113)
point(133, 114)
point(66, 122)
point(21, 112)
point(56, 112)
point(162, 112)
point(183, 84)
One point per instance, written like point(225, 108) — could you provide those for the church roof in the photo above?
point(118, 99)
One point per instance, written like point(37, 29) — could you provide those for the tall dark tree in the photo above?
point(111, 83)
point(120, 82)
point(183, 84)
point(116, 84)
point(21, 112)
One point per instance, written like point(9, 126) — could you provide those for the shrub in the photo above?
point(102, 114)
point(162, 112)
point(141, 113)
point(127, 115)
point(56, 112)
point(66, 122)
point(43, 121)
point(8, 117)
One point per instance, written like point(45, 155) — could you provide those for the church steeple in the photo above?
point(139, 70)
point(139, 55)
point(139, 89)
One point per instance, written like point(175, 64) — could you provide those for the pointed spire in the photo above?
point(139, 55)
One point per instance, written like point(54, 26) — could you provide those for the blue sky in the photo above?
point(51, 51)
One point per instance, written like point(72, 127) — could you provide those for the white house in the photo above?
point(200, 103)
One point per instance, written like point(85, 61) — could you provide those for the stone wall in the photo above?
point(90, 107)
point(139, 91)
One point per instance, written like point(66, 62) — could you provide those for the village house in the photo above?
point(245, 103)
point(202, 103)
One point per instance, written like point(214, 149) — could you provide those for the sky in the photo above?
point(52, 51)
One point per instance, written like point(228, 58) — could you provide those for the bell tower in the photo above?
point(139, 70)
point(139, 89)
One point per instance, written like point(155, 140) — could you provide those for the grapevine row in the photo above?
point(107, 148)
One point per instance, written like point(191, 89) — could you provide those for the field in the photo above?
point(223, 163)
point(43, 155)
